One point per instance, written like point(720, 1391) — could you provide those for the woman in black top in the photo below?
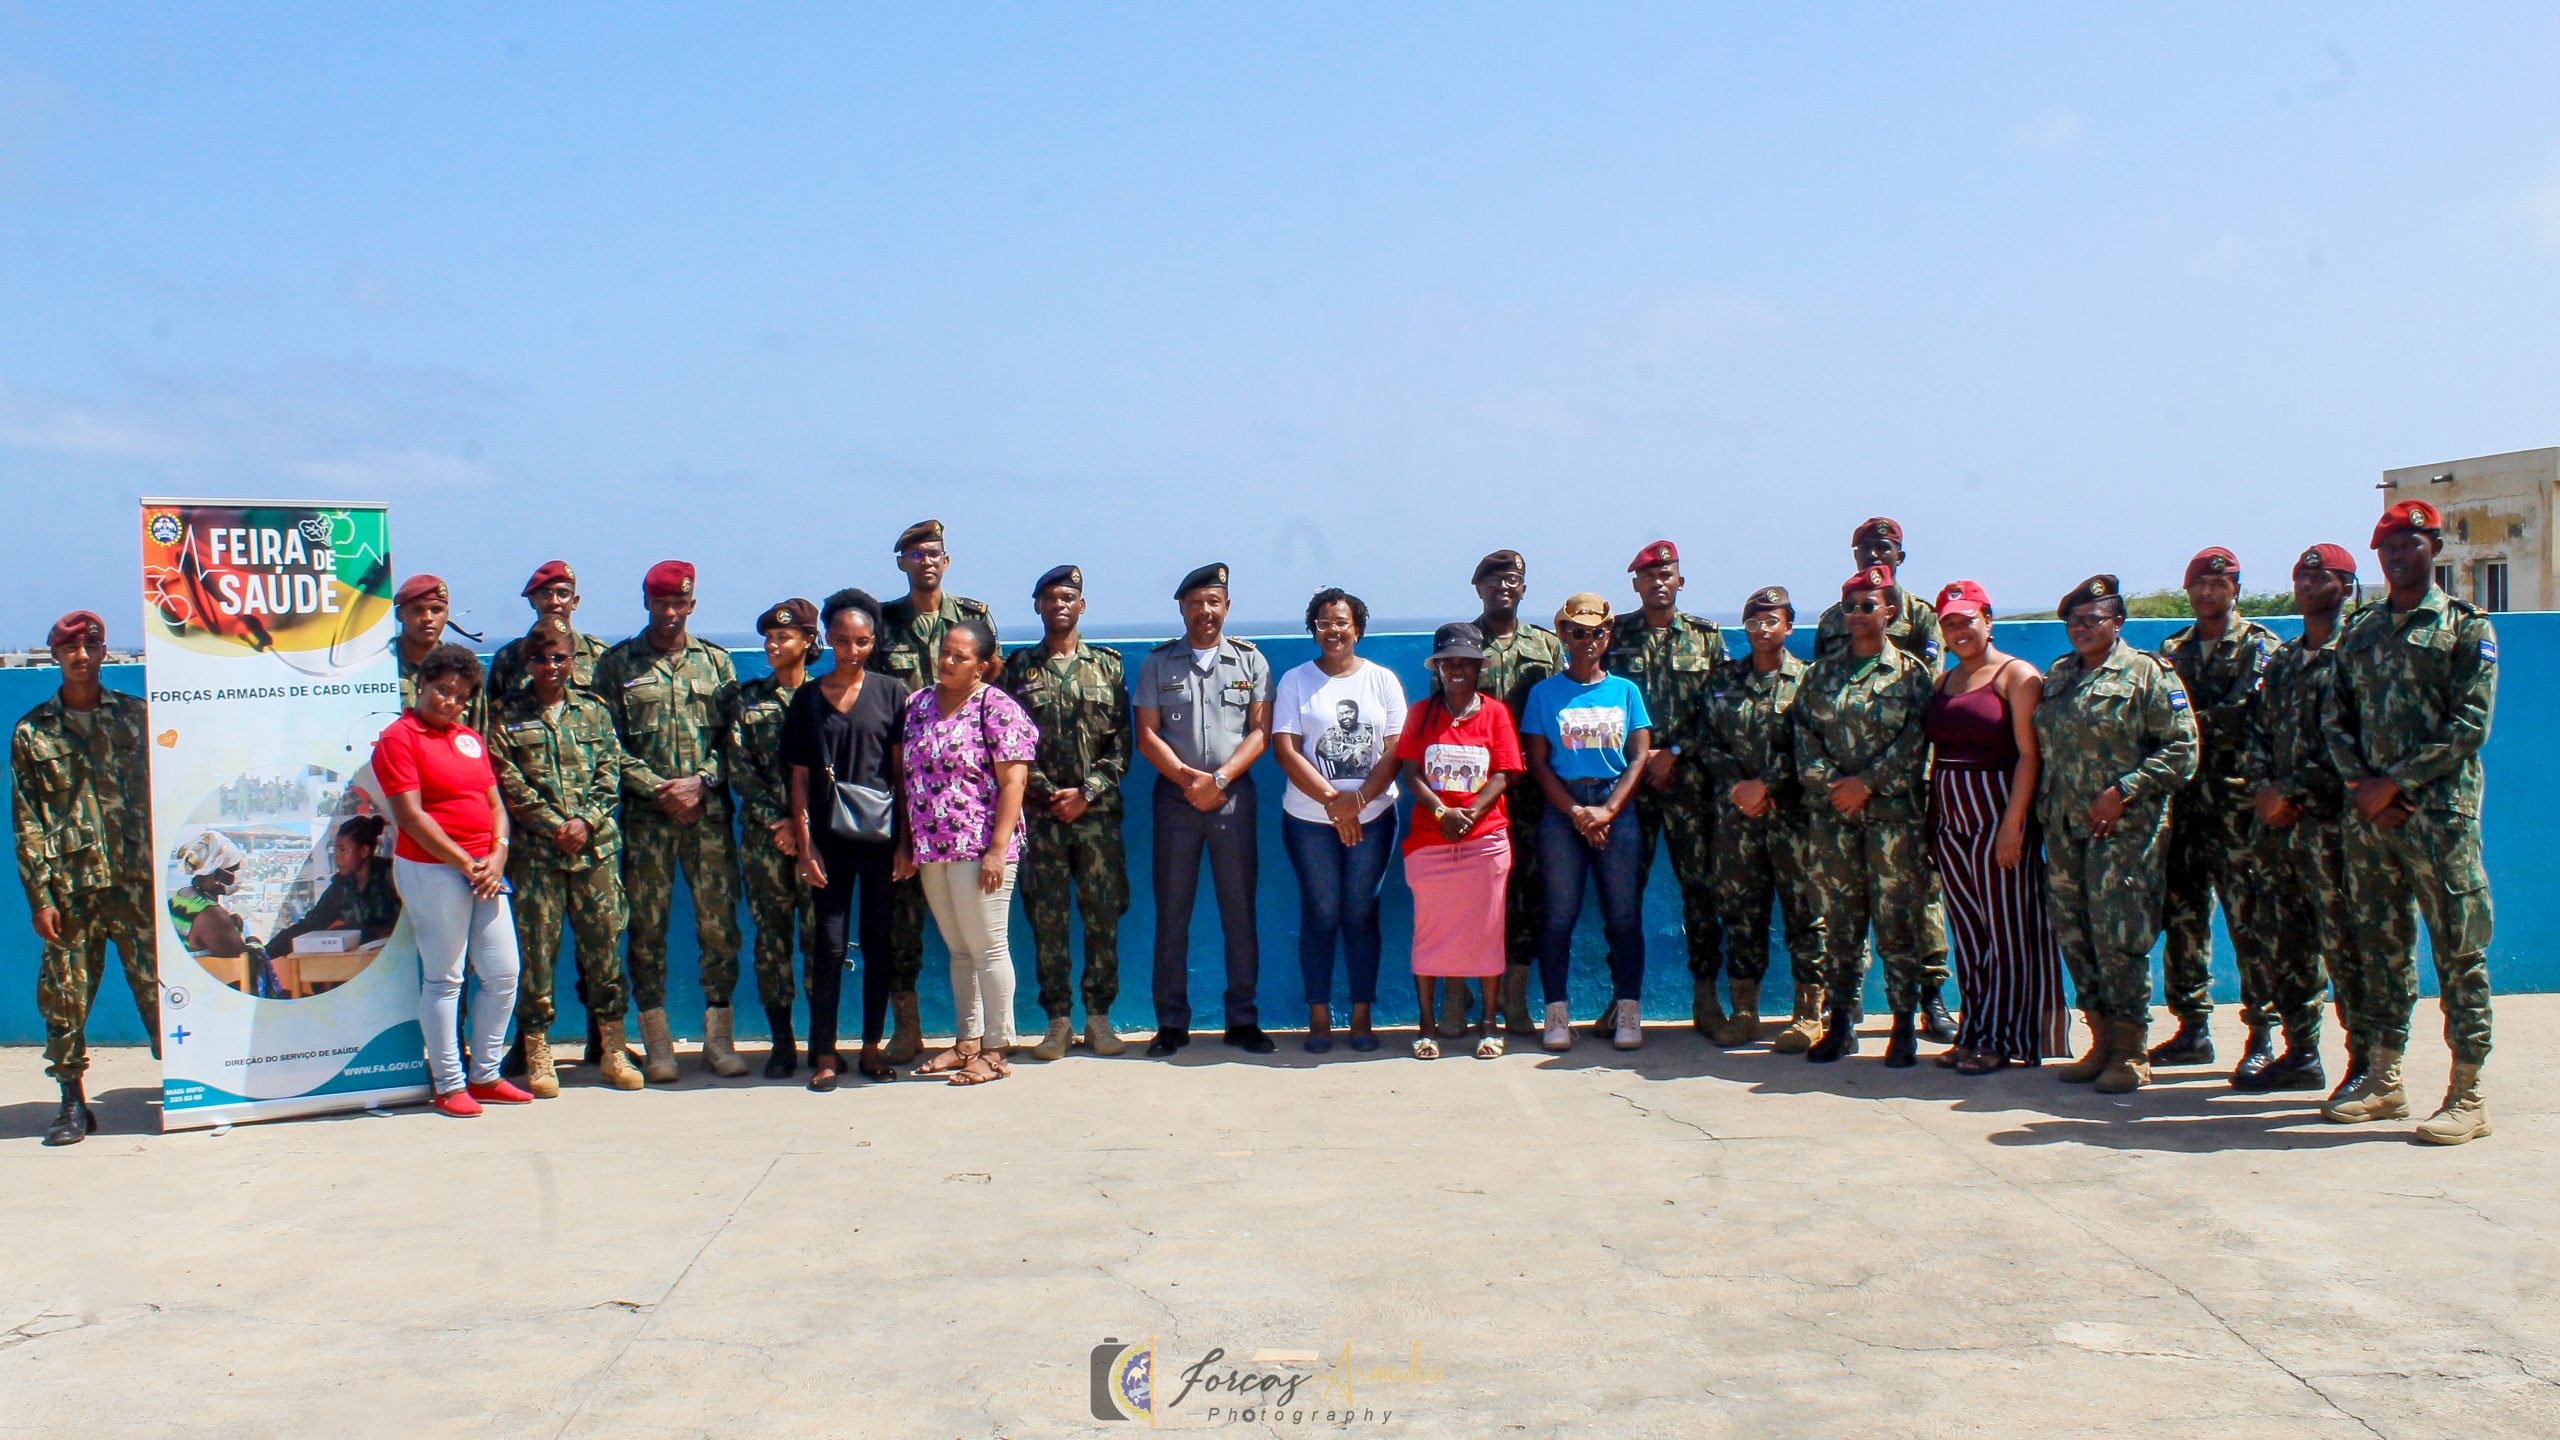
point(360, 896)
point(844, 726)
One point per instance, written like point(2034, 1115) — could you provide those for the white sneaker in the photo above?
point(1559, 1027)
point(1630, 1034)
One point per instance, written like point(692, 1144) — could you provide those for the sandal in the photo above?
point(1490, 1047)
point(876, 1070)
point(1980, 1062)
point(1426, 1048)
point(949, 1060)
point(980, 1068)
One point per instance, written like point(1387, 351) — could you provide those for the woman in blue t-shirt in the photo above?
point(1586, 734)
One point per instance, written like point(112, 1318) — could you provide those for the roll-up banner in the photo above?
point(288, 979)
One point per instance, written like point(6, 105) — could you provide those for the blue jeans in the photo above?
point(1338, 889)
point(1564, 858)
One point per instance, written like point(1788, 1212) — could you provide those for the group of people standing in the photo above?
point(1912, 789)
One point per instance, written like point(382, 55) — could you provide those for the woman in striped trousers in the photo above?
point(1990, 859)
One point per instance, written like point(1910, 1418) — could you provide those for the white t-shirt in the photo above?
point(1343, 725)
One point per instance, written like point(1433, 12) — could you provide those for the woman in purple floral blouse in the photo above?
point(968, 755)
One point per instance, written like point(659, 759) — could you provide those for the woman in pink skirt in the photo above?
point(1459, 749)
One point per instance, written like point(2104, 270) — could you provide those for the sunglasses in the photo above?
point(545, 661)
point(1586, 632)
point(1862, 607)
point(2090, 622)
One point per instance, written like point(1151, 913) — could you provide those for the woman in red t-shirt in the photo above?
point(1458, 751)
point(450, 865)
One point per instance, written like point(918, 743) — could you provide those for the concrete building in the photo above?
point(2497, 509)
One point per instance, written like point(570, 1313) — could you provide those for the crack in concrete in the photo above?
point(2443, 1198)
point(1651, 1113)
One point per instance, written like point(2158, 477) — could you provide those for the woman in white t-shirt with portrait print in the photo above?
point(1334, 723)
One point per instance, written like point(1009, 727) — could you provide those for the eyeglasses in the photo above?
point(1862, 607)
point(1764, 622)
point(544, 661)
point(926, 555)
point(2086, 621)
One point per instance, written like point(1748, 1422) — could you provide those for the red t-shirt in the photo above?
point(449, 771)
point(1457, 758)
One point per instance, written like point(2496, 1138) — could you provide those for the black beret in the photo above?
point(917, 534)
point(1768, 597)
point(1497, 562)
point(2096, 587)
point(1210, 574)
point(791, 614)
point(1071, 576)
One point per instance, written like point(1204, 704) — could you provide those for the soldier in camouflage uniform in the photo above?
point(553, 590)
point(2212, 840)
point(1746, 741)
point(1074, 692)
point(1670, 654)
point(2117, 740)
point(1517, 655)
point(2298, 802)
point(911, 631)
point(1911, 625)
point(80, 794)
point(559, 767)
point(2405, 719)
point(667, 691)
point(1863, 762)
point(424, 605)
point(769, 845)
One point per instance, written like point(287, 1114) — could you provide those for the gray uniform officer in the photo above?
point(1203, 704)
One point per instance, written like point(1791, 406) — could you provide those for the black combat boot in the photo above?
point(2298, 1068)
point(75, 1121)
point(511, 1064)
point(784, 1061)
point(1902, 1050)
point(2191, 1045)
point(2357, 1048)
point(2251, 1072)
point(1935, 1022)
point(1839, 1037)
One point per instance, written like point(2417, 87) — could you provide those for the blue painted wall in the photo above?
point(2523, 821)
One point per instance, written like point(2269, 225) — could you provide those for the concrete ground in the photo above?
point(1682, 1242)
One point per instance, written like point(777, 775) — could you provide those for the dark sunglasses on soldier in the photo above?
point(1861, 607)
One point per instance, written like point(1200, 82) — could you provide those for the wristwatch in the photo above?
point(1219, 779)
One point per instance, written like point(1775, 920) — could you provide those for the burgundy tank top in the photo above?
point(1973, 730)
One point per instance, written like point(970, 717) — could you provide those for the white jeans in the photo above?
point(974, 928)
point(451, 926)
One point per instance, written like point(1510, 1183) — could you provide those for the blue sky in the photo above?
point(1335, 294)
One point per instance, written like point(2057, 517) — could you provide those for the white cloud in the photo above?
point(54, 427)
point(2051, 133)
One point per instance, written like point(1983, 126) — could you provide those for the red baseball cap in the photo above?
point(2327, 557)
point(2212, 560)
point(550, 572)
point(1660, 552)
point(77, 626)
point(668, 577)
point(1964, 597)
point(2407, 515)
point(1874, 577)
point(420, 587)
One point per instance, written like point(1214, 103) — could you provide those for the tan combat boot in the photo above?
point(613, 1063)
point(660, 1062)
point(719, 1043)
point(1742, 1027)
point(906, 1033)
point(2381, 1097)
point(1054, 1045)
point(1100, 1038)
point(2094, 1064)
point(1516, 1018)
point(2130, 1068)
point(2465, 1115)
point(1806, 1026)
point(1705, 1011)
point(540, 1076)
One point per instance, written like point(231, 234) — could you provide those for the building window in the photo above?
point(2489, 585)
point(2444, 578)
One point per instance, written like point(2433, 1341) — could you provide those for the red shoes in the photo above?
point(456, 1103)
point(500, 1092)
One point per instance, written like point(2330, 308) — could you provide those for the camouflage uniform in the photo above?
point(1859, 717)
point(475, 713)
point(1745, 731)
point(1081, 705)
point(80, 793)
point(1513, 665)
point(2304, 887)
point(1671, 666)
point(667, 710)
point(2212, 832)
point(507, 674)
point(2124, 723)
point(2411, 702)
point(909, 643)
point(555, 766)
point(782, 906)
point(1914, 631)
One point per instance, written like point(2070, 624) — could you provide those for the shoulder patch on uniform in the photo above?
point(2488, 649)
point(1242, 644)
point(1929, 649)
point(977, 608)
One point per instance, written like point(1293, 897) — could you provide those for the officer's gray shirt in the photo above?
point(1201, 713)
